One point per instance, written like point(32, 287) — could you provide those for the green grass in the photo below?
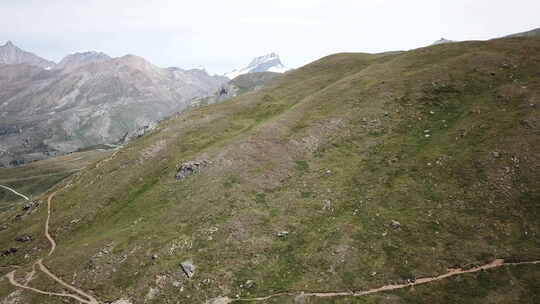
point(332, 153)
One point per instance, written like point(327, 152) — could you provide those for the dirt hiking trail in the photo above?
point(85, 298)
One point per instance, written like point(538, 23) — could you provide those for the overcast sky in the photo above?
point(222, 35)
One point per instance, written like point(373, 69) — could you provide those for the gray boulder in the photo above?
point(188, 268)
point(189, 168)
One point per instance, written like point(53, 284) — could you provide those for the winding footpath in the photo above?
point(17, 193)
point(78, 295)
point(85, 298)
point(451, 272)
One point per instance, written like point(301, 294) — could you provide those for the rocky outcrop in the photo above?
point(188, 268)
point(189, 168)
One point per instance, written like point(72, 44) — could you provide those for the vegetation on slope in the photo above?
point(380, 167)
point(35, 178)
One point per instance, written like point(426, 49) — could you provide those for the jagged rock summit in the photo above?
point(82, 58)
point(11, 54)
point(267, 63)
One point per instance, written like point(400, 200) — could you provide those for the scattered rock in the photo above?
point(188, 268)
point(395, 224)
point(248, 284)
point(23, 238)
point(496, 154)
point(220, 300)
point(300, 299)
point(283, 233)
point(152, 294)
point(327, 205)
point(121, 301)
point(9, 251)
point(191, 167)
point(30, 206)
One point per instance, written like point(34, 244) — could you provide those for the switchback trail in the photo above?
point(451, 272)
point(79, 295)
point(85, 298)
point(47, 235)
point(17, 193)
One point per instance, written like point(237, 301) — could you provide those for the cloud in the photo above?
point(222, 35)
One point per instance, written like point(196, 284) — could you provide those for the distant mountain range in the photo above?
point(77, 59)
point(266, 63)
point(11, 54)
point(87, 99)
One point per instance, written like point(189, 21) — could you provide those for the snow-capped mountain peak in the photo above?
point(267, 63)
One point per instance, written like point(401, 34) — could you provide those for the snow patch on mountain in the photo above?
point(267, 63)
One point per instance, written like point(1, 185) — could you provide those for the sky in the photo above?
point(223, 35)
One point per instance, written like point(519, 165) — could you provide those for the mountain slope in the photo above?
point(531, 33)
point(11, 54)
point(77, 59)
point(242, 84)
point(267, 63)
point(349, 173)
point(89, 100)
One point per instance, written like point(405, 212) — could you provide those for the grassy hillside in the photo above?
point(253, 81)
point(35, 178)
point(443, 140)
point(531, 33)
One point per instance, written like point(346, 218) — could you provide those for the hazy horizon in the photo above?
point(223, 35)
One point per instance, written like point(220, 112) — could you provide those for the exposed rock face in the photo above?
point(88, 100)
point(78, 59)
point(189, 168)
point(11, 54)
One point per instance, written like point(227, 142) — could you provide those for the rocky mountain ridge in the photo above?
point(11, 54)
point(87, 99)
